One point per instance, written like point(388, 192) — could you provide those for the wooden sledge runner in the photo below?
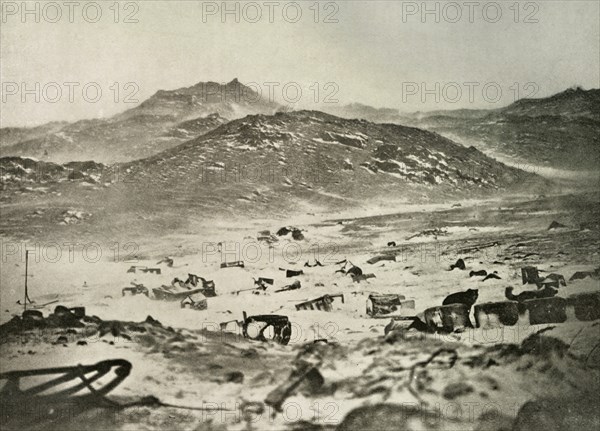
point(164, 294)
point(39, 403)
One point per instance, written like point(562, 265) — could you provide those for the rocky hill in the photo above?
point(571, 103)
point(12, 135)
point(24, 172)
point(166, 119)
point(283, 164)
point(561, 131)
point(323, 151)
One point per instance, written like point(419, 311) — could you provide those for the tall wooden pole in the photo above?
point(26, 264)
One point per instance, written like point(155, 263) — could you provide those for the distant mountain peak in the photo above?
point(574, 89)
point(572, 102)
point(158, 123)
point(230, 100)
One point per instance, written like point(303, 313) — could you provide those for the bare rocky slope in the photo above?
point(284, 164)
point(166, 119)
point(560, 131)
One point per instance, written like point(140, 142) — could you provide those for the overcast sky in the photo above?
point(377, 53)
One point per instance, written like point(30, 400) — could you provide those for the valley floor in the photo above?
point(479, 380)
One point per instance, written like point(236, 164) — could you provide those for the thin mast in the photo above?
point(26, 296)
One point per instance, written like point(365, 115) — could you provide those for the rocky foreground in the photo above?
point(181, 379)
point(341, 368)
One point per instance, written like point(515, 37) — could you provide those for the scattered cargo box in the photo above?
point(552, 280)
point(505, 313)
point(388, 305)
point(136, 289)
point(135, 268)
point(448, 318)
point(295, 285)
point(138, 268)
point(530, 275)
point(323, 303)
point(236, 264)
point(586, 305)
point(263, 283)
point(196, 301)
point(152, 270)
point(193, 281)
point(169, 293)
point(292, 272)
point(281, 328)
point(547, 310)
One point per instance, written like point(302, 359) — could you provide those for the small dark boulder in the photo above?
point(61, 340)
point(76, 175)
point(455, 390)
point(234, 377)
point(460, 264)
point(559, 414)
point(580, 275)
point(586, 305)
point(63, 318)
point(296, 233)
point(152, 321)
point(376, 259)
point(556, 225)
point(387, 416)
point(283, 231)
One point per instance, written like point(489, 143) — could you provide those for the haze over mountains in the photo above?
point(317, 151)
point(309, 148)
point(289, 162)
point(164, 120)
point(212, 150)
point(558, 131)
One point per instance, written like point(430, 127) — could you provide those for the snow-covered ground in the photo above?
point(352, 374)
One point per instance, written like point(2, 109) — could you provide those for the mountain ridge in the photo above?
point(560, 131)
point(139, 131)
point(284, 164)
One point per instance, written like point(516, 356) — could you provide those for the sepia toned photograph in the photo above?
point(300, 215)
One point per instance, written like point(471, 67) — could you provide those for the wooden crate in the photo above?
point(506, 313)
point(547, 310)
point(448, 318)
